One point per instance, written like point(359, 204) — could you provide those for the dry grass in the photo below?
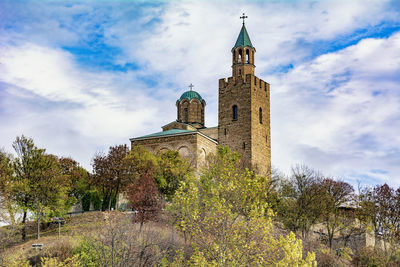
point(152, 242)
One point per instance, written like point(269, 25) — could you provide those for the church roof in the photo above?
point(168, 132)
point(189, 95)
point(243, 39)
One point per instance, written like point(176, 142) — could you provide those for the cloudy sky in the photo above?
point(80, 76)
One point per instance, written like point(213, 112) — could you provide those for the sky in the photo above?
point(80, 76)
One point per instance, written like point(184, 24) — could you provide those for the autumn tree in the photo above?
point(299, 207)
point(380, 207)
point(78, 178)
point(145, 198)
point(168, 168)
point(109, 174)
point(336, 197)
point(225, 215)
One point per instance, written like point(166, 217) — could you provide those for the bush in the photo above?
point(369, 257)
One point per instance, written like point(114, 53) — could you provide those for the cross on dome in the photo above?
point(191, 86)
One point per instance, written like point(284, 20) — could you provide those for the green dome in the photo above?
point(189, 95)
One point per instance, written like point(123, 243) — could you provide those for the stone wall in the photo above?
point(195, 110)
point(246, 134)
point(211, 132)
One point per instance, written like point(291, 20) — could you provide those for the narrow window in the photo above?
point(225, 131)
point(260, 115)
point(255, 81)
point(244, 145)
point(247, 56)
point(234, 112)
point(240, 56)
point(186, 114)
point(240, 72)
point(234, 56)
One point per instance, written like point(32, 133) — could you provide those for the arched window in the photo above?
point(247, 56)
point(234, 112)
point(234, 56)
point(240, 56)
point(260, 115)
point(186, 115)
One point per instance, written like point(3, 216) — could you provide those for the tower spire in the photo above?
point(243, 53)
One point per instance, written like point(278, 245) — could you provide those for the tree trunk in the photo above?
point(24, 228)
point(38, 220)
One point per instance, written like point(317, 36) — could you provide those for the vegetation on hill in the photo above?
point(224, 216)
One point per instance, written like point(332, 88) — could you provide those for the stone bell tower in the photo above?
point(244, 109)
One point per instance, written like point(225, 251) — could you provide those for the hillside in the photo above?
point(88, 227)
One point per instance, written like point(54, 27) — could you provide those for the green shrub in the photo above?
point(86, 254)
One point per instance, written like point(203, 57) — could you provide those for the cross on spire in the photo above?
point(243, 17)
point(191, 86)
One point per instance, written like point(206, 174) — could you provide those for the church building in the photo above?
point(243, 117)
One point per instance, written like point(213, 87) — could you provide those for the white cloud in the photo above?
point(335, 112)
point(68, 108)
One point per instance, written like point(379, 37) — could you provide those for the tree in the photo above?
point(380, 207)
point(6, 176)
point(78, 177)
point(226, 216)
point(145, 198)
point(38, 184)
point(172, 169)
point(110, 172)
point(335, 198)
point(299, 207)
point(168, 168)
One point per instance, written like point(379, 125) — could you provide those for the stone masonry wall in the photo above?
point(195, 111)
point(235, 134)
point(246, 135)
point(211, 132)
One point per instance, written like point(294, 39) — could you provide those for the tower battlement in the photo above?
point(239, 81)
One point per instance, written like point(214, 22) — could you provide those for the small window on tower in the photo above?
point(244, 145)
point(234, 112)
point(247, 56)
point(186, 115)
point(240, 56)
point(260, 115)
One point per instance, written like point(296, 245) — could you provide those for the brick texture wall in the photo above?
point(246, 135)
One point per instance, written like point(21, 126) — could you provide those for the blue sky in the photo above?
point(80, 76)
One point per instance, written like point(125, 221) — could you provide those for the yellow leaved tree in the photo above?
point(226, 218)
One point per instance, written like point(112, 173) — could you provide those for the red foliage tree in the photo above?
point(145, 198)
